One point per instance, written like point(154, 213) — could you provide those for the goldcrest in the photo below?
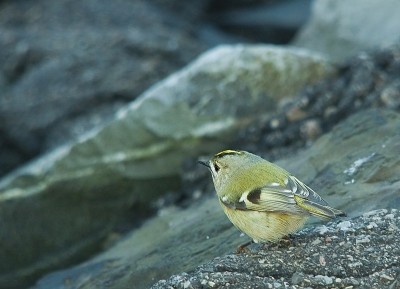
point(261, 199)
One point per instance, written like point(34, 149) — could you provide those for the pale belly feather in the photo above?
point(264, 226)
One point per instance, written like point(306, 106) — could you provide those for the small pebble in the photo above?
point(344, 226)
point(297, 278)
point(389, 216)
point(386, 277)
point(327, 280)
point(316, 242)
point(362, 241)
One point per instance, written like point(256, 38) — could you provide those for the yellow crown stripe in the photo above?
point(228, 152)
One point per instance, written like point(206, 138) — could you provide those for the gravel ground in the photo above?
point(363, 252)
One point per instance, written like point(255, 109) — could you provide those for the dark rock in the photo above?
point(300, 263)
point(365, 81)
point(260, 21)
point(67, 66)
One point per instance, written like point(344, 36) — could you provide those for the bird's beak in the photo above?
point(204, 164)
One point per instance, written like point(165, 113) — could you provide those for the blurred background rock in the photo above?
point(102, 101)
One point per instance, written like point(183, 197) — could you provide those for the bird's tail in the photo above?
point(320, 211)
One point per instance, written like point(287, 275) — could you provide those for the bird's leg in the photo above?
point(242, 248)
point(287, 239)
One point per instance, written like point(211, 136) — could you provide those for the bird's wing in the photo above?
point(295, 197)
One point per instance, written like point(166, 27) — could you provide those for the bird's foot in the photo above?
point(242, 248)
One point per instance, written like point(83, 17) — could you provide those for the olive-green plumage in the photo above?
point(261, 199)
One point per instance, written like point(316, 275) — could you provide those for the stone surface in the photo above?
point(354, 168)
point(66, 66)
point(175, 239)
point(355, 164)
point(78, 192)
point(339, 29)
point(337, 261)
point(366, 80)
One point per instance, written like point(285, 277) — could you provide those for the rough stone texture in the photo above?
point(68, 65)
point(78, 192)
point(356, 164)
point(341, 28)
point(358, 253)
point(174, 239)
point(366, 80)
point(354, 168)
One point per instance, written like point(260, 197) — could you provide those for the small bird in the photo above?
point(261, 199)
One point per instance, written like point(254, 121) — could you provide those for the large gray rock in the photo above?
point(356, 164)
point(69, 200)
point(340, 28)
point(66, 66)
point(354, 168)
point(362, 252)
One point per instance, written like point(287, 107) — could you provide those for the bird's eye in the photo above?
point(216, 167)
